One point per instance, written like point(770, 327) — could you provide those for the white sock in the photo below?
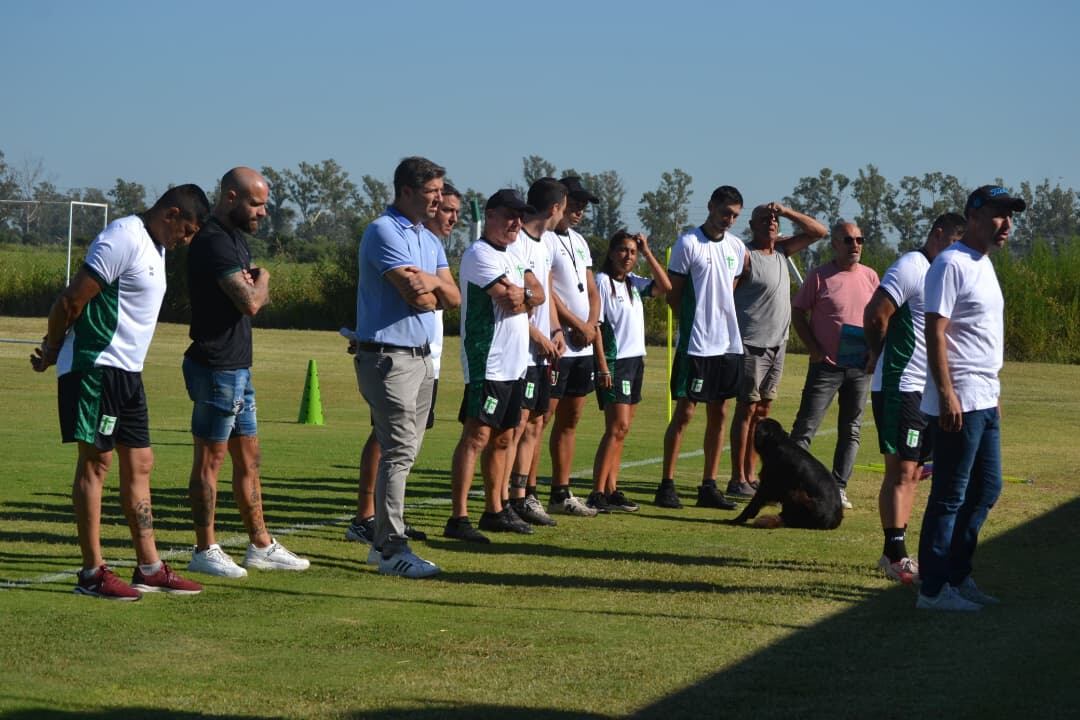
point(151, 569)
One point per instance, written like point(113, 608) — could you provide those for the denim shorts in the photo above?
point(224, 402)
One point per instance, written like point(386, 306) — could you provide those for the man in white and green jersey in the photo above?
point(99, 331)
point(894, 326)
point(496, 294)
point(708, 361)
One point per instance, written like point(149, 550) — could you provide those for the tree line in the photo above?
point(317, 210)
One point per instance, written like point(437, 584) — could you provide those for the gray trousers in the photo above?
point(397, 388)
point(823, 383)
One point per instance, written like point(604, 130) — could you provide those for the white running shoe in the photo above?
point(844, 502)
point(571, 506)
point(274, 557)
point(948, 600)
point(970, 591)
point(215, 561)
point(405, 563)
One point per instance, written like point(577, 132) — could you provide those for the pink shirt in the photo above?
point(834, 298)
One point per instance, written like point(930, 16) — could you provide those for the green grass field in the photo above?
point(661, 614)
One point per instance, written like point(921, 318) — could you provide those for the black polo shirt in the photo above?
point(220, 333)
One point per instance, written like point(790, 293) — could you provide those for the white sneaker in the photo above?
point(405, 563)
point(274, 557)
point(844, 502)
point(970, 591)
point(948, 599)
point(571, 506)
point(215, 561)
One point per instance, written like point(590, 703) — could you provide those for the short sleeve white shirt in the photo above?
point(902, 363)
point(570, 263)
point(623, 315)
point(961, 285)
point(534, 254)
point(708, 324)
point(494, 345)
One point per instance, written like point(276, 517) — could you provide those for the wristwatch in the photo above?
point(528, 295)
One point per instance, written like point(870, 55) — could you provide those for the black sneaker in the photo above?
point(598, 502)
point(363, 531)
point(462, 529)
point(503, 521)
point(708, 496)
point(618, 501)
point(414, 534)
point(666, 497)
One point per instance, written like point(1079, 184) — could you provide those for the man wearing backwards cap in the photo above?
point(497, 293)
point(965, 335)
point(577, 305)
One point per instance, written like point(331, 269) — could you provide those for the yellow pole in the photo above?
point(670, 337)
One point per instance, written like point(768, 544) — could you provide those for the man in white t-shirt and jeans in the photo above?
point(704, 266)
point(965, 341)
point(893, 324)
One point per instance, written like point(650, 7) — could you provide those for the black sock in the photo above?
point(895, 548)
point(709, 482)
point(667, 481)
point(530, 490)
point(559, 493)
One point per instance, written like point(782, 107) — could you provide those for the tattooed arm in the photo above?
point(249, 290)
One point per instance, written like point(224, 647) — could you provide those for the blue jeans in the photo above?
point(966, 484)
point(823, 383)
point(224, 402)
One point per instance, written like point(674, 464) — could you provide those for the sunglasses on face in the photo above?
point(850, 240)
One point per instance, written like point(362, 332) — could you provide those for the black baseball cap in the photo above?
point(576, 190)
point(993, 195)
point(509, 198)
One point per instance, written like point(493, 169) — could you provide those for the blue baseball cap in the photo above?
point(993, 195)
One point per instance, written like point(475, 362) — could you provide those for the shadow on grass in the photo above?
point(884, 659)
point(120, 713)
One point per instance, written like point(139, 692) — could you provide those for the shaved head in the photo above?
point(242, 181)
point(242, 201)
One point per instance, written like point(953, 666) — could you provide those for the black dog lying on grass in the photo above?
point(808, 496)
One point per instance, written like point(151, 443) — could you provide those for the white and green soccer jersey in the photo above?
point(570, 261)
point(622, 315)
point(901, 367)
point(116, 326)
point(534, 254)
point(708, 324)
point(494, 345)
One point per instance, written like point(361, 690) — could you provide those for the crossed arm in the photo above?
point(249, 289)
point(425, 291)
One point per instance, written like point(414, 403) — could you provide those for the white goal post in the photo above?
point(71, 220)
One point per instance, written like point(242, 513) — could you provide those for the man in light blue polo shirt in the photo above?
point(403, 278)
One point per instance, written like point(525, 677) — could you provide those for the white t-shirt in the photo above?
point(534, 254)
point(494, 345)
point(708, 324)
point(902, 364)
point(570, 262)
point(962, 286)
point(623, 316)
point(436, 343)
point(117, 325)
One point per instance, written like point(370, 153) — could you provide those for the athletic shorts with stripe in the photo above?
point(494, 403)
point(104, 407)
point(706, 379)
point(573, 377)
point(536, 395)
point(901, 425)
point(626, 379)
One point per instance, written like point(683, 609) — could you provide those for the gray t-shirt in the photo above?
point(763, 300)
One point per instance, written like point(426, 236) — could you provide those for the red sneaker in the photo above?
point(164, 580)
point(105, 585)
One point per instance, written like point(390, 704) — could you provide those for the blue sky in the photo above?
point(752, 94)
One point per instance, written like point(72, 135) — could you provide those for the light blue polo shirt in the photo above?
point(382, 315)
